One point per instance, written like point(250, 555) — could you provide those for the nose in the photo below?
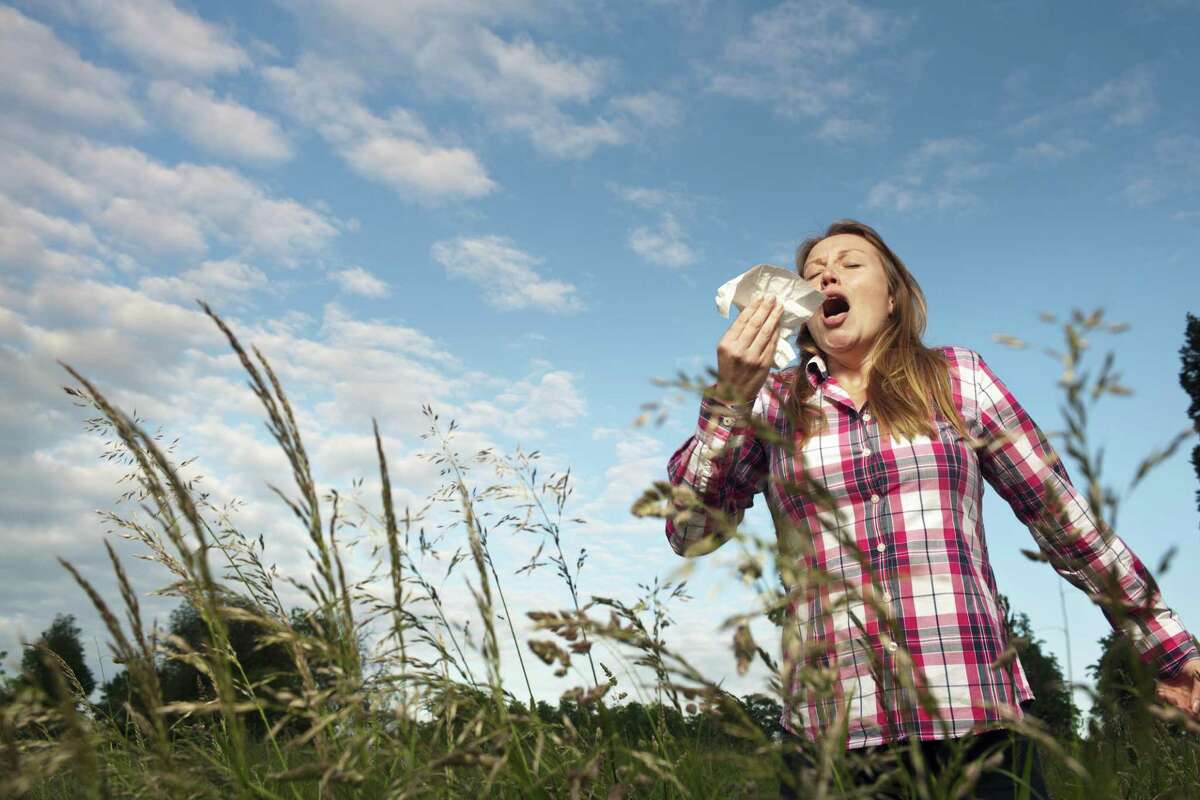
point(827, 277)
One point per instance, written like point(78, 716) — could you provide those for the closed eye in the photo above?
point(810, 277)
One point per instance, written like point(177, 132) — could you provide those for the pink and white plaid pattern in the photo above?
point(913, 510)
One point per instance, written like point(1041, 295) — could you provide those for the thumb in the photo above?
point(1194, 704)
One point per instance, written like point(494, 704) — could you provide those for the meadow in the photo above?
point(371, 690)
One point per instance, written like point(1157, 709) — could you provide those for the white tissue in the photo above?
point(800, 301)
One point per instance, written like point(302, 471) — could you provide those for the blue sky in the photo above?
point(519, 212)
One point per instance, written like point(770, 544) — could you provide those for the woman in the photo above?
point(901, 437)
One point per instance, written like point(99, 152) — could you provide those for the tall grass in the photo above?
point(388, 697)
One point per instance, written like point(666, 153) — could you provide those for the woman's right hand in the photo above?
point(747, 350)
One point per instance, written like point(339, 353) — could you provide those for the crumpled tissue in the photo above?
point(800, 301)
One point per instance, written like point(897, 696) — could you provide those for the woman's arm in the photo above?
point(724, 464)
point(1021, 465)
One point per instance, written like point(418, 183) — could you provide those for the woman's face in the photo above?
point(847, 269)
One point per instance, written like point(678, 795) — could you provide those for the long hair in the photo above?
point(906, 379)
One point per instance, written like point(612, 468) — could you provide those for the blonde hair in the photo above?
point(907, 379)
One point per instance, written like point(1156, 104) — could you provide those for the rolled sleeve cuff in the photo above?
point(728, 415)
point(1169, 649)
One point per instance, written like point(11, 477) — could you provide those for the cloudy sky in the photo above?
point(519, 212)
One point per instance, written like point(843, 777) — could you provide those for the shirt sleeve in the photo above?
point(724, 465)
point(1018, 461)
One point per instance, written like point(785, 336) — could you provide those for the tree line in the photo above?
point(1119, 678)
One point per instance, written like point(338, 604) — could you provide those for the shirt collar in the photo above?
point(816, 370)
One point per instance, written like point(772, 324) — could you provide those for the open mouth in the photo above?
point(834, 307)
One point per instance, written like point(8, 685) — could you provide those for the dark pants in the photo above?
point(868, 765)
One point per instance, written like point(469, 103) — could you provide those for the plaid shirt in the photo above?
point(913, 510)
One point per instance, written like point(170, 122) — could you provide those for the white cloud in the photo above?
point(557, 134)
point(506, 274)
point(357, 280)
point(654, 109)
point(144, 225)
point(651, 199)
point(663, 245)
point(223, 283)
point(525, 86)
point(666, 243)
point(934, 176)
point(397, 151)
point(409, 163)
point(825, 61)
point(24, 172)
point(121, 336)
point(526, 69)
point(221, 126)
point(161, 36)
point(1143, 191)
point(346, 331)
point(1171, 169)
point(43, 73)
point(147, 208)
point(850, 129)
point(639, 461)
point(170, 362)
point(528, 407)
point(33, 240)
point(1126, 100)
point(1058, 148)
point(452, 50)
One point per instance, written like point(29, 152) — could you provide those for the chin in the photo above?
point(834, 344)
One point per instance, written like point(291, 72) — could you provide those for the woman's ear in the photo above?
point(891, 305)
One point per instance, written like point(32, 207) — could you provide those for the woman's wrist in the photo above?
point(725, 404)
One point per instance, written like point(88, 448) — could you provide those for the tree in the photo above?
point(263, 665)
point(1189, 379)
point(6, 683)
point(766, 712)
point(1123, 686)
point(1052, 703)
point(61, 638)
point(115, 695)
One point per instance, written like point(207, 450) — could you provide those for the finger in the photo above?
point(764, 341)
point(740, 322)
point(772, 347)
point(1175, 696)
point(755, 323)
point(1194, 700)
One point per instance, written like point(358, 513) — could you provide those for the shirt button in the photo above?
point(875, 499)
point(866, 452)
point(893, 647)
point(887, 597)
point(866, 416)
point(726, 420)
point(879, 548)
